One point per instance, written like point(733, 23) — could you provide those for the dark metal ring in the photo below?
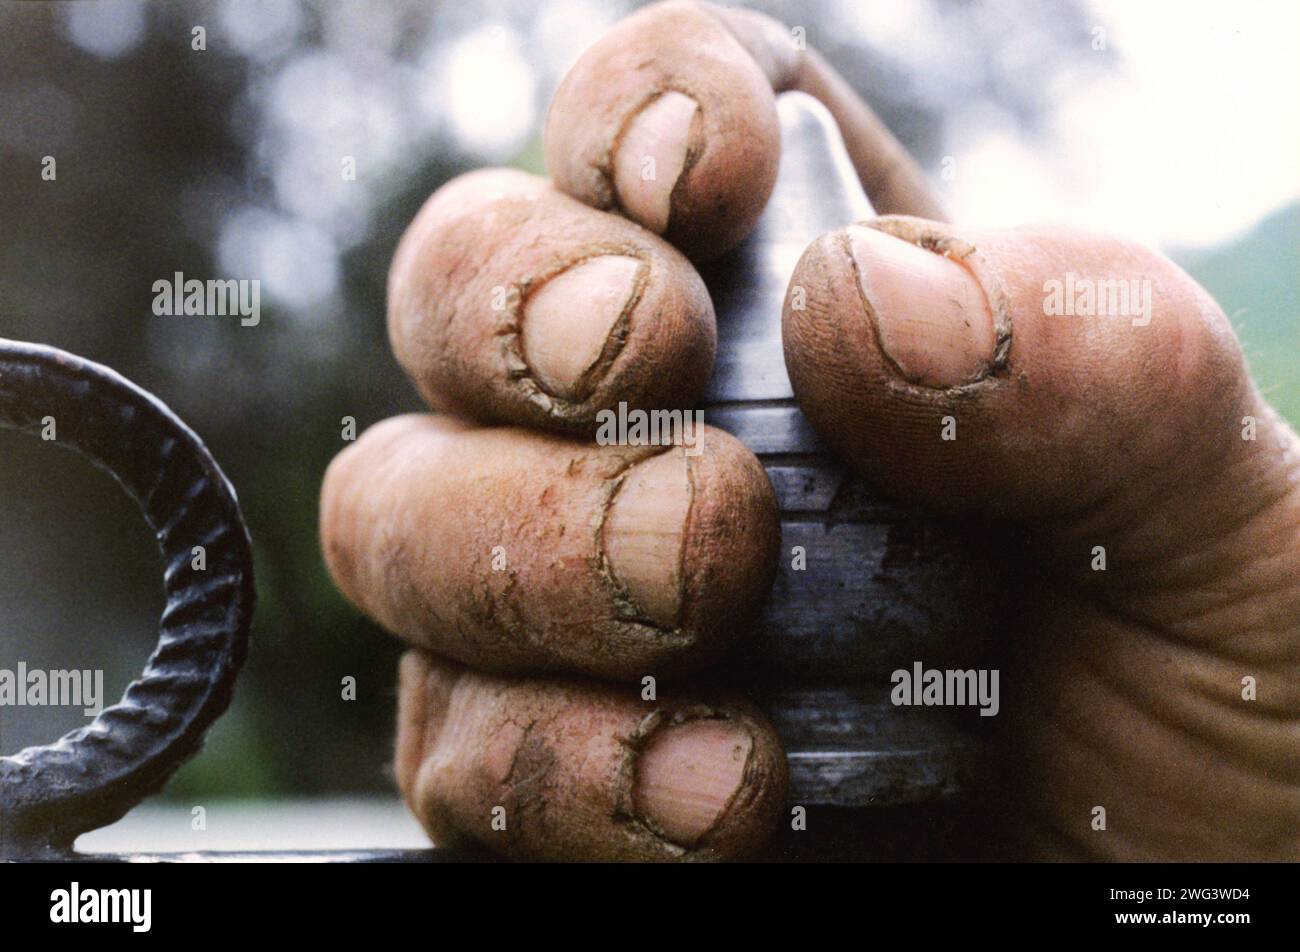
point(93, 776)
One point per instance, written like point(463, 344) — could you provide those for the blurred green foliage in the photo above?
point(1256, 280)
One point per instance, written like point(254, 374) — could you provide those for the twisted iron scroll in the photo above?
point(93, 776)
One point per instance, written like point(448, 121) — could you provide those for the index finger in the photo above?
point(670, 119)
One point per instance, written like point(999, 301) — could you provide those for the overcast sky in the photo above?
point(1193, 137)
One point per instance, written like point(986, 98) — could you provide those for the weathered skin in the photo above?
point(734, 145)
point(461, 280)
point(1126, 684)
point(415, 513)
point(560, 759)
point(1123, 688)
point(731, 62)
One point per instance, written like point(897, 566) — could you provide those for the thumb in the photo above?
point(1045, 374)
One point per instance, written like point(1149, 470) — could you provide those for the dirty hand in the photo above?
point(542, 576)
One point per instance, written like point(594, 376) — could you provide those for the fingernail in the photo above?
point(643, 534)
point(932, 315)
point(650, 158)
point(567, 321)
point(688, 774)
